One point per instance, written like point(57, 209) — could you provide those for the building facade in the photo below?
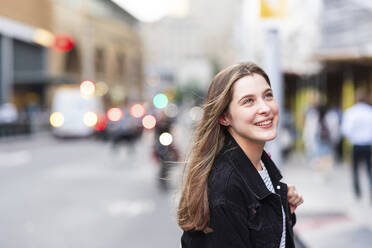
point(23, 60)
point(188, 50)
point(107, 48)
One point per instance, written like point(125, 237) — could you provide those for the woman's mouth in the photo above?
point(265, 124)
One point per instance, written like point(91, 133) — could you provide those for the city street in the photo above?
point(299, 72)
point(80, 193)
point(330, 217)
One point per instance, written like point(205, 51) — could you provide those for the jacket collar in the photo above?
point(247, 171)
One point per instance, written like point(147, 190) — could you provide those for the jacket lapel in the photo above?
point(248, 172)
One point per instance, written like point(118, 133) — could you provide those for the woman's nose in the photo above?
point(263, 107)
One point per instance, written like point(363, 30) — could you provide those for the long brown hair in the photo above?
point(209, 138)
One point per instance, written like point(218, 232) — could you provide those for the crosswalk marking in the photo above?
point(14, 159)
point(130, 208)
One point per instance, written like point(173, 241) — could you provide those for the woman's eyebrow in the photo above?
point(252, 95)
point(268, 89)
point(245, 96)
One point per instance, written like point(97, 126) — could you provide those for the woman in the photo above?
point(232, 195)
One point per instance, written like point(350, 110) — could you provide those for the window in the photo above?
point(99, 61)
point(120, 65)
point(72, 63)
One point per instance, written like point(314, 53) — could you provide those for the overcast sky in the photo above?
point(152, 10)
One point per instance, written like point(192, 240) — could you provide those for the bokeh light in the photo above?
point(196, 113)
point(115, 114)
point(149, 122)
point(160, 101)
point(56, 119)
point(87, 88)
point(90, 119)
point(101, 88)
point(137, 110)
point(165, 139)
point(43, 37)
point(63, 42)
point(118, 93)
point(171, 110)
point(101, 123)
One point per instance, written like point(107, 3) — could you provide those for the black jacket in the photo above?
point(243, 212)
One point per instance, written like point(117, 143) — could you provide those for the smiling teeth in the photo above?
point(264, 123)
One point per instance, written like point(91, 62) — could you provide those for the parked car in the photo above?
point(74, 115)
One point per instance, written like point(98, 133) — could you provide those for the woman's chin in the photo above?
point(269, 136)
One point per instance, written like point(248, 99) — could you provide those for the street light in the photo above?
point(87, 88)
point(160, 101)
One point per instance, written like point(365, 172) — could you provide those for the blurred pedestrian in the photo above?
point(164, 151)
point(333, 118)
point(232, 195)
point(311, 126)
point(287, 133)
point(320, 133)
point(357, 128)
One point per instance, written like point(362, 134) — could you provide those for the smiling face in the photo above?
point(252, 115)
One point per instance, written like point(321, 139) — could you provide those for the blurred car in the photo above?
point(10, 122)
point(8, 113)
point(127, 130)
point(73, 115)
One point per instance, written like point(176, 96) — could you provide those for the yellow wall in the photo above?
point(36, 13)
point(347, 101)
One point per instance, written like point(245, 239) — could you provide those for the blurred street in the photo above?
point(99, 98)
point(79, 193)
point(330, 216)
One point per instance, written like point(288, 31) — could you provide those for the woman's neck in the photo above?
point(253, 150)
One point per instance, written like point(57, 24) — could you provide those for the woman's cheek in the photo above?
point(275, 108)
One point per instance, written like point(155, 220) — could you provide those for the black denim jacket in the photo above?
point(243, 212)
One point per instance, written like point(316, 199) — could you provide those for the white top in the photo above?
point(266, 178)
point(312, 127)
point(357, 124)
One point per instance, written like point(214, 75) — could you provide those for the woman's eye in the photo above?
point(248, 101)
point(269, 95)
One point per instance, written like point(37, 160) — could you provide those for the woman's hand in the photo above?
point(294, 198)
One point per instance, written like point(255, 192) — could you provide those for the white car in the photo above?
point(72, 114)
point(8, 113)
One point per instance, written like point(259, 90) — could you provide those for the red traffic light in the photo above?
point(101, 122)
point(63, 42)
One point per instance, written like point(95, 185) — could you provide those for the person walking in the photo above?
point(319, 134)
point(357, 128)
point(232, 195)
point(166, 155)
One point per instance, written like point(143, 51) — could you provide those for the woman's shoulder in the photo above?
point(225, 186)
point(222, 171)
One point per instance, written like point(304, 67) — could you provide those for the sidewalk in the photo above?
point(330, 216)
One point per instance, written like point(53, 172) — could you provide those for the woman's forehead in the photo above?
point(250, 85)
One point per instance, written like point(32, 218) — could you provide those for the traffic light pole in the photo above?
point(272, 68)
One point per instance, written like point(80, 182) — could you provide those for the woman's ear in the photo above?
point(223, 120)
